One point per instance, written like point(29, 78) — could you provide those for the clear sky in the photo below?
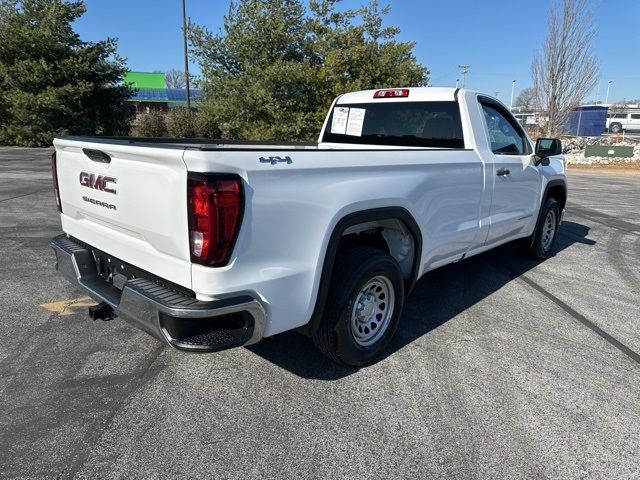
point(497, 38)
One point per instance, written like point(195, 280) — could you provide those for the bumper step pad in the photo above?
point(216, 337)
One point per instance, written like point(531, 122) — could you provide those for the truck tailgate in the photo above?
point(128, 201)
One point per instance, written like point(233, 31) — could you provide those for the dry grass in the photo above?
point(613, 167)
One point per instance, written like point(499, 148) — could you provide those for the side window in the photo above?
point(505, 138)
point(635, 116)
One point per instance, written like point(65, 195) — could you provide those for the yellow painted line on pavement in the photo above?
point(69, 307)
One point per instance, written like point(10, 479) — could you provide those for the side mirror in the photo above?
point(545, 148)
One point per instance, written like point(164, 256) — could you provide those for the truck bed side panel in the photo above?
point(292, 208)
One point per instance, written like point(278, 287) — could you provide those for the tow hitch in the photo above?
point(101, 311)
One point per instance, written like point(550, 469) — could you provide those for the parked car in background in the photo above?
point(619, 121)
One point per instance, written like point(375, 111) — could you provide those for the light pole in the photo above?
point(457, 82)
point(513, 86)
point(606, 99)
point(464, 69)
point(186, 53)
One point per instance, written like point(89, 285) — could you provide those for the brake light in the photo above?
point(54, 177)
point(215, 204)
point(394, 92)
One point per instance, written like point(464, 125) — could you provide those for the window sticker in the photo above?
point(355, 122)
point(339, 123)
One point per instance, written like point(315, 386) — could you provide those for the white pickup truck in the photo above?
point(209, 244)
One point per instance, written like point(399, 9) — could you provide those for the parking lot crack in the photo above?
point(584, 320)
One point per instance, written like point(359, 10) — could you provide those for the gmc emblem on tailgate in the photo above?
point(99, 182)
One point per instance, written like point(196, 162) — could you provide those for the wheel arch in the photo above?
point(556, 188)
point(351, 220)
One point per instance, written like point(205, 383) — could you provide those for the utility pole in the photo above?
point(464, 69)
point(598, 95)
point(513, 86)
point(457, 82)
point(606, 99)
point(186, 53)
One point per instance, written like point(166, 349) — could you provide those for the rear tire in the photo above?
point(615, 128)
point(539, 246)
point(363, 307)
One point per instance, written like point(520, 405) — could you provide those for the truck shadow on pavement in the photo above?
point(437, 297)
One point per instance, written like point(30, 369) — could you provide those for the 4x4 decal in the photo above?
point(274, 160)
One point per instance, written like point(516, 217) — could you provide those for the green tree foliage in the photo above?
point(152, 124)
point(276, 66)
point(207, 123)
point(52, 82)
point(181, 122)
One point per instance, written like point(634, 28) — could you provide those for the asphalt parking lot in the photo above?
point(502, 368)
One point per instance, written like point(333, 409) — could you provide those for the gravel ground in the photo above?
point(501, 368)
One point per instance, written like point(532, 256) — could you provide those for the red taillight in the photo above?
point(394, 92)
point(54, 176)
point(215, 206)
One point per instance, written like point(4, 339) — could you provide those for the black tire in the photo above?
point(615, 128)
point(354, 269)
point(539, 246)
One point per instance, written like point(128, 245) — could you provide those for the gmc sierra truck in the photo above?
point(213, 244)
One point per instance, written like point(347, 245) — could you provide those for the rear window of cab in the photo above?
point(401, 124)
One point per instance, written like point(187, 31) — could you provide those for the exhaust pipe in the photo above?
point(101, 311)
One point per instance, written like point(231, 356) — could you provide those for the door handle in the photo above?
point(503, 171)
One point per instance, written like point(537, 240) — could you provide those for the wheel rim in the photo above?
point(548, 230)
point(372, 311)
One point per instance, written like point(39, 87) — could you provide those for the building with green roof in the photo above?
point(145, 80)
point(151, 92)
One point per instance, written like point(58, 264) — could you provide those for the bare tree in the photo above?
point(566, 69)
point(175, 79)
point(625, 103)
point(526, 99)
